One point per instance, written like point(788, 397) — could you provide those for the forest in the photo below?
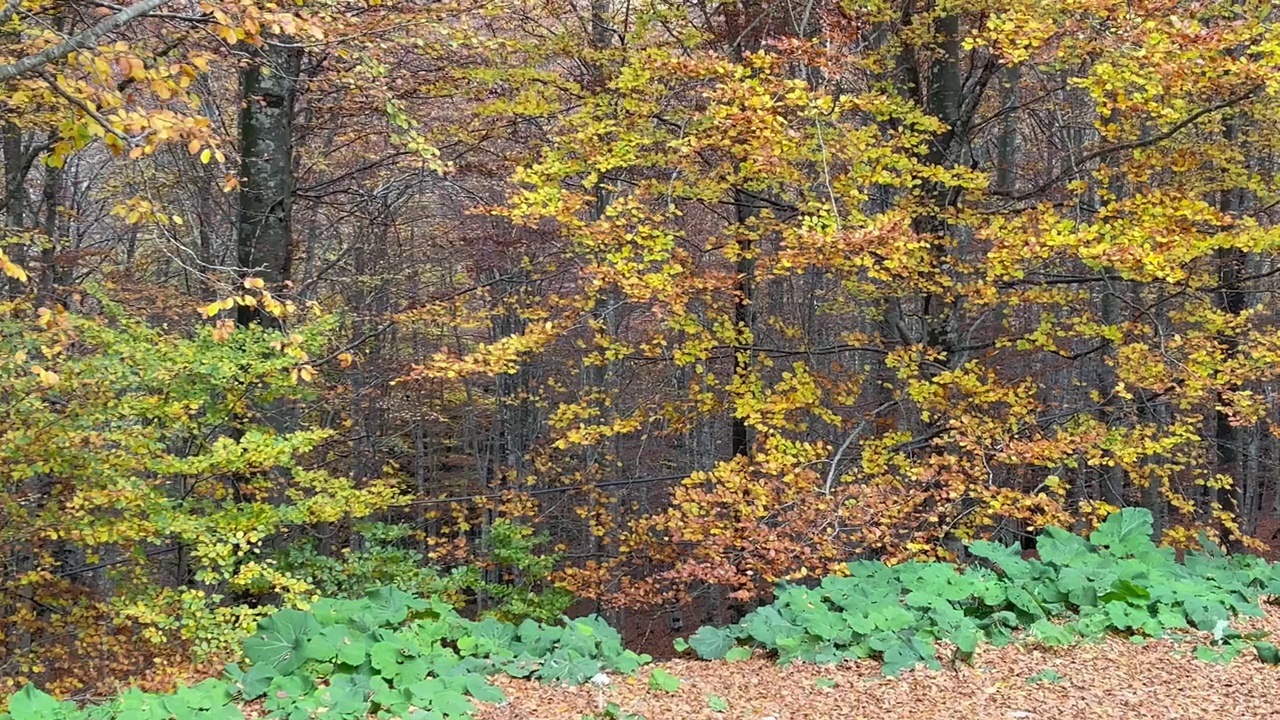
point(639, 359)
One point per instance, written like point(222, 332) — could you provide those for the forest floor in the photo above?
point(1113, 679)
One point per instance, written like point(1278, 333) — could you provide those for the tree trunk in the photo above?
point(1007, 144)
point(49, 252)
point(15, 172)
point(268, 87)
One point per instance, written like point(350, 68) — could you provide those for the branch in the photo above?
point(1132, 145)
point(857, 431)
point(198, 19)
point(86, 39)
point(86, 108)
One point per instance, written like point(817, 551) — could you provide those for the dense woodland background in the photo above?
point(650, 303)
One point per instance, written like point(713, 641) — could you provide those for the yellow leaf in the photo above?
point(12, 269)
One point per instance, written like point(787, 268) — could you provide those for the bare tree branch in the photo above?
point(86, 39)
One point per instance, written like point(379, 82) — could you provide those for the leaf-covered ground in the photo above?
point(1111, 679)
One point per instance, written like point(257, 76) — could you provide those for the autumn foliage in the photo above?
point(711, 296)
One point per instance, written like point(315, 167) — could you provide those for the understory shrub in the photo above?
point(510, 576)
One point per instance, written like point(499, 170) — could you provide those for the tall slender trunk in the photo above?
point(15, 173)
point(741, 437)
point(1231, 299)
point(943, 102)
point(52, 237)
point(1007, 143)
point(268, 88)
point(744, 23)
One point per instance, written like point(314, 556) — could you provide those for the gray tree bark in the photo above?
point(263, 238)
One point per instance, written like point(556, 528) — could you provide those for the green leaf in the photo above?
point(711, 643)
point(285, 692)
point(1052, 634)
point(332, 611)
point(354, 647)
point(415, 669)
point(480, 689)
point(346, 695)
point(133, 704)
point(554, 669)
point(324, 645)
point(892, 617)
point(899, 655)
point(680, 644)
point(1004, 557)
point(1207, 654)
point(966, 640)
point(825, 683)
point(1126, 590)
point(738, 654)
point(32, 703)
point(1267, 653)
point(1048, 675)
point(663, 681)
point(628, 662)
point(385, 656)
point(1059, 547)
point(395, 700)
point(1025, 602)
point(717, 704)
point(389, 606)
point(1125, 532)
point(493, 635)
point(452, 703)
point(581, 670)
point(521, 667)
point(255, 681)
point(221, 712)
point(280, 640)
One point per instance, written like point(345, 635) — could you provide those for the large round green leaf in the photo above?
point(280, 640)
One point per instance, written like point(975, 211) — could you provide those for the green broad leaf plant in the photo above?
point(387, 655)
point(1115, 581)
point(392, 654)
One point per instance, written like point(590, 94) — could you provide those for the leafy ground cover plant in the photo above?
point(390, 655)
point(1117, 580)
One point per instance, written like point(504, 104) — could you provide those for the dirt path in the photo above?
point(1114, 680)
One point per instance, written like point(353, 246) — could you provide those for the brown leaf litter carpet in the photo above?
point(1112, 680)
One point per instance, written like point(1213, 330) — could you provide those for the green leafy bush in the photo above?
point(1117, 580)
point(390, 654)
point(513, 550)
